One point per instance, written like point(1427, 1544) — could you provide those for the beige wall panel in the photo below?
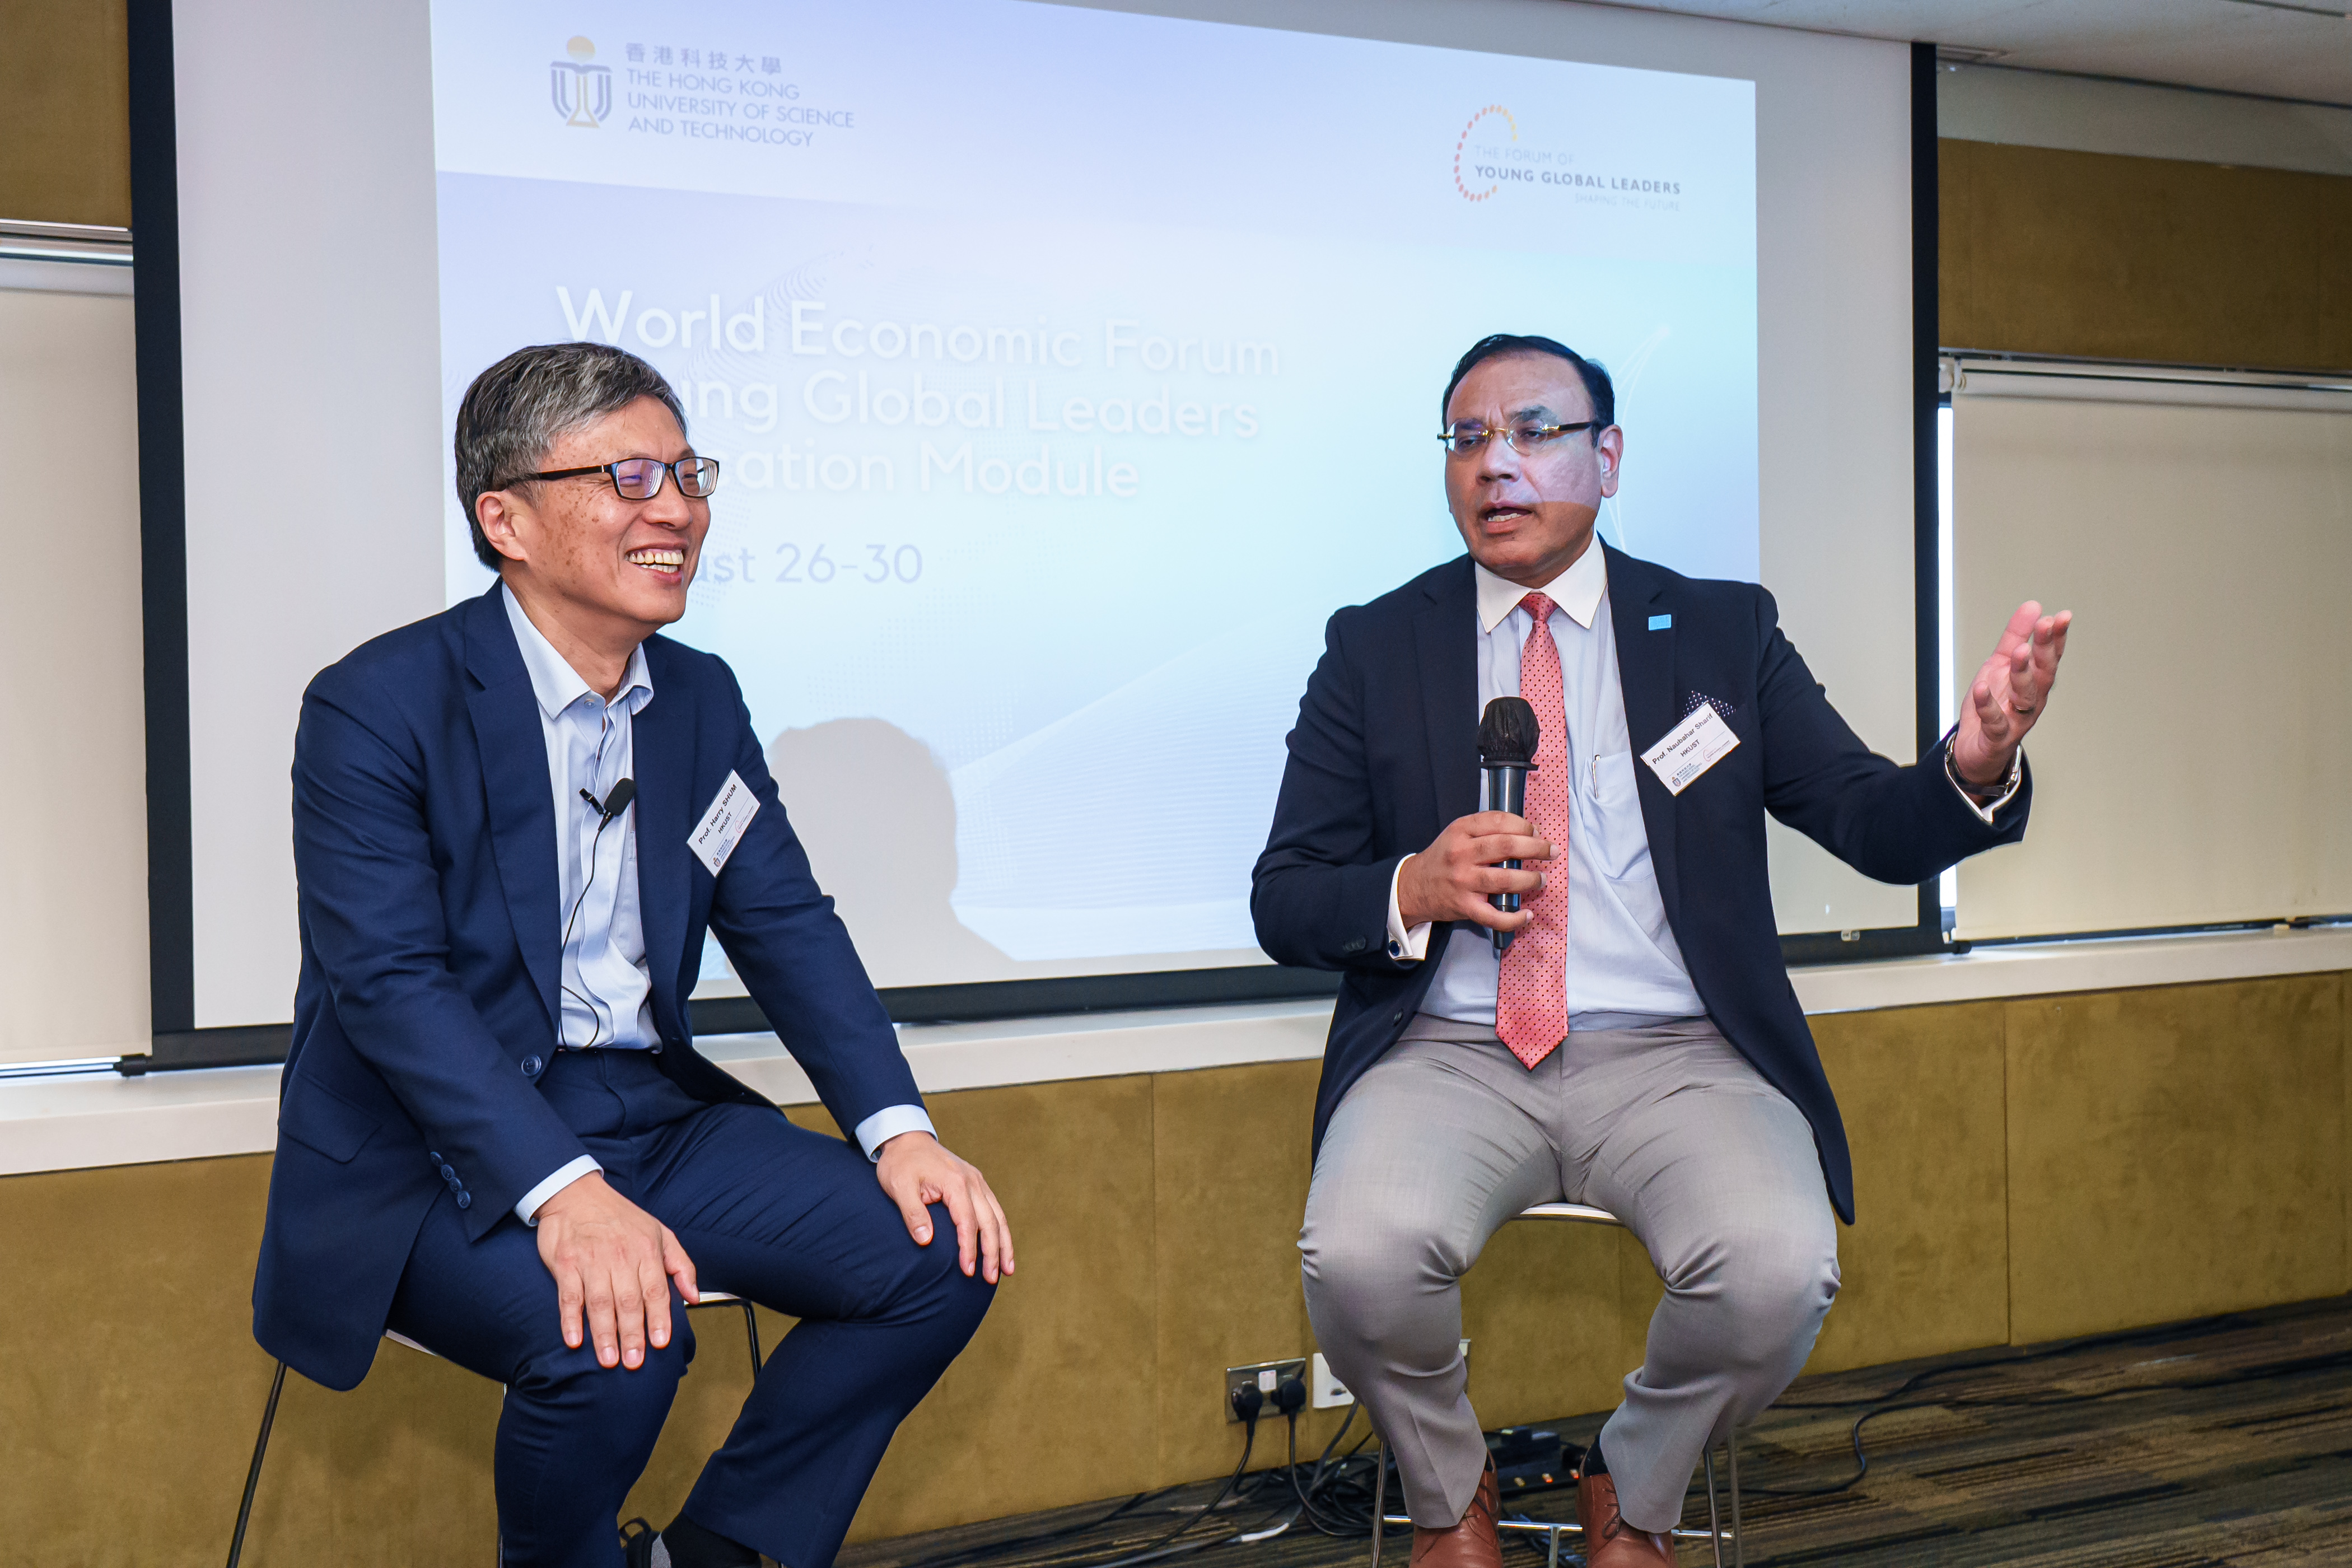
point(73, 848)
point(1925, 1267)
point(2090, 255)
point(2174, 1152)
point(65, 112)
point(1229, 1185)
point(1052, 1402)
point(130, 1410)
point(1557, 1315)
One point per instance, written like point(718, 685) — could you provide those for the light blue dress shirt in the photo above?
point(606, 987)
point(1623, 966)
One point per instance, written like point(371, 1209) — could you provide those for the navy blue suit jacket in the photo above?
point(425, 850)
point(1385, 754)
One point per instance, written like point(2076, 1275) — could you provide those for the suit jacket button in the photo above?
point(1396, 1017)
point(449, 1173)
point(532, 1066)
point(1356, 945)
point(434, 1158)
point(465, 1200)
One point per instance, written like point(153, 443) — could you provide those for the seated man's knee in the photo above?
point(934, 1279)
point(1777, 1286)
point(1373, 1267)
point(624, 1401)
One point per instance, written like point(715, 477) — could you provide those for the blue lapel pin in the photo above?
point(1662, 623)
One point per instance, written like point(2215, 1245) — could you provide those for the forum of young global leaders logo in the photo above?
point(1490, 158)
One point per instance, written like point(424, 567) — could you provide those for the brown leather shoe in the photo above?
point(1472, 1543)
point(1609, 1540)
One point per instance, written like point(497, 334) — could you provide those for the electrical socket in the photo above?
point(1329, 1392)
point(1263, 1376)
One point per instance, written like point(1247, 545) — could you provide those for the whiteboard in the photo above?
point(73, 861)
point(2193, 767)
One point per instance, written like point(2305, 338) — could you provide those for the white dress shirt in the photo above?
point(607, 989)
point(1623, 964)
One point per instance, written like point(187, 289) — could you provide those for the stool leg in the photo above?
point(1713, 1517)
point(1380, 1497)
point(253, 1471)
point(751, 1328)
point(1738, 1546)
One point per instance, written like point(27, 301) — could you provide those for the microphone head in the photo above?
point(618, 800)
point(1507, 733)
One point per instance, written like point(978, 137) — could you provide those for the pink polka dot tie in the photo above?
point(1531, 998)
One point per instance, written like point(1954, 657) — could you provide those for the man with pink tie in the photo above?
point(1638, 1045)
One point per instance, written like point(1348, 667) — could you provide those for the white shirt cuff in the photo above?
point(1404, 946)
point(2016, 781)
point(527, 1210)
point(887, 1123)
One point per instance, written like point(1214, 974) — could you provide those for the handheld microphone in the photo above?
point(1507, 733)
point(613, 803)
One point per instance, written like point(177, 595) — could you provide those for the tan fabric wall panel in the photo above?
point(2096, 256)
point(2175, 1152)
point(65, 125)
point(73, 844)
point(2100, 1160)
point(2192, 768)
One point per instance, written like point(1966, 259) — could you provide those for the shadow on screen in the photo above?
point(873, 807)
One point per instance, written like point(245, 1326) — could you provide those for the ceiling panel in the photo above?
point(2269, 48)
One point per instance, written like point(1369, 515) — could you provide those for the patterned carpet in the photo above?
point(2223, 1442)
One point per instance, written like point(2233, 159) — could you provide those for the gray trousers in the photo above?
point(1668, 1128)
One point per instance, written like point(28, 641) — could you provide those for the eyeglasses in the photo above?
point(1527, 440)
point(640, 478)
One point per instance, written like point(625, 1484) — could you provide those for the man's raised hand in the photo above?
point(613, 1263)
point(2009, 692)
point(1453, 878)
point(917, 1172)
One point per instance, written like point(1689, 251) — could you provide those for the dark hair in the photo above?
point(1497, 344)
point(523, 404)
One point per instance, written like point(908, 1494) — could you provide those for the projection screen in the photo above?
point(1068, 366)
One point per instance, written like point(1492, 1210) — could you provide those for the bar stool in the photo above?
point(1584, 1214)
point(278, 1385)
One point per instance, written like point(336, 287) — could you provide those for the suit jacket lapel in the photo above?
point(1645, 673)
point(662, 742)
point(514, 773)
point(1446, 639)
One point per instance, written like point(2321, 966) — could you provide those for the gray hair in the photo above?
point(527, 402)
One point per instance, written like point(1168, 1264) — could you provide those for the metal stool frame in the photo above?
point(1581, 1214)
point(277, 1386)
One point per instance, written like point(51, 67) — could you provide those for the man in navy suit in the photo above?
point(1637, 1045)
point(513, 823)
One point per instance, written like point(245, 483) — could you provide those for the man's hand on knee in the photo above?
point(917, 1172)
point(1453, 878)
point(613, 1263)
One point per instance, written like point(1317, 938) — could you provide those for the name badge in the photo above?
point(1690, 748)
point(721, 829)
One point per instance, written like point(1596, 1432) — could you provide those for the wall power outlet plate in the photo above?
point(1263, 1376)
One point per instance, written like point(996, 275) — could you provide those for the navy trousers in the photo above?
point(768, 1211)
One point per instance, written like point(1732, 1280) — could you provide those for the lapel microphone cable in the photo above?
point(615, 802)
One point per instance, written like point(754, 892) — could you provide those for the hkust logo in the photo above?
point(583, 92)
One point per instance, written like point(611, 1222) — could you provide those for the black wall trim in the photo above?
point(163, 521)
point(1926, 619)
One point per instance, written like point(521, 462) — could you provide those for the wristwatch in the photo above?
point(1982, 793)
